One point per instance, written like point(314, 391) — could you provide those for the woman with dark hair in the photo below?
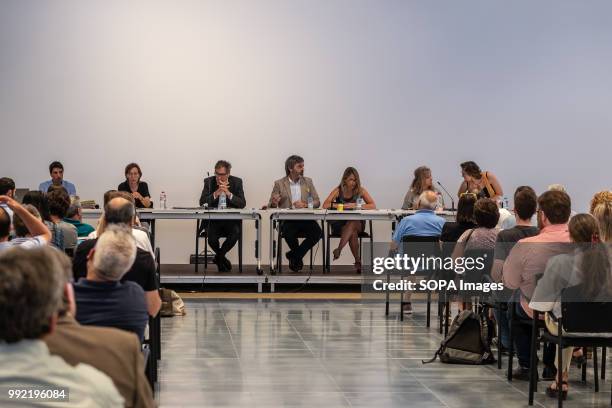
point(422, 182)
point(133, 185)
point(588, 266)
point(464, 219)
point(484, 236)
point(39, 200)
point(482, 183)
point(350, 195)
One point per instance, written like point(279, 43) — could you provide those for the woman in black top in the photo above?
point(347, 194)
point(464, 221)
point(133, 185)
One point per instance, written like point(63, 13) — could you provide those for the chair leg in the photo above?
point(560, 370)
point(279, 252)
point(499, 343)
point(447, 317)
point(205, 252)
point(401, 303)
point(595, 369)
point(533, 365)
point(428, 322)
point(603, 362)
point(584, 366)
point(327, 263)
point(511, 342)
point(311, 258)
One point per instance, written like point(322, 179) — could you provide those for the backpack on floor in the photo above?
point(467, 342)
point(172, 304)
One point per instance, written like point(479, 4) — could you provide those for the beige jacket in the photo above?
point(282, 188)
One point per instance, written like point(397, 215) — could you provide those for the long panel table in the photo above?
point(196, 214)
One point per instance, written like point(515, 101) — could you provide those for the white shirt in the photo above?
point(296, 190)
point(28, 363)
point(26, 243)
point(140, 236)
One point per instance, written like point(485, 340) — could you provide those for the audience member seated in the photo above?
point(588, 265)
point(484, 236)
point(7, 188)
point(348, 193)
point(560, 187)
point(422, 181)
point(120, 211)
point(30, 295)
point(138, 189)
point(525, 205)
point(423, 223)
point(140, 233)
point(118, 353)
point(39, 200)
point(294, 191)
point(528, 259)
point(101, 298)
point(601, 207)
point(464, 219)
point(56, 170)
point(32, 232)
point(64, 235)
point(222, 183)
point(482, 183)
point(74, 216)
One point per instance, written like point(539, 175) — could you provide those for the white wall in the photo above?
point(523, 88)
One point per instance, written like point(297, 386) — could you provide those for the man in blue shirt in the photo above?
point(56, 170)
point(101, 298)
point(423, 223)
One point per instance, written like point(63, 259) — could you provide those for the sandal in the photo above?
point(337, 253)
point(553, 392)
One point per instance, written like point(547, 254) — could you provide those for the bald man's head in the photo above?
point(119, 211)
point(428, 200)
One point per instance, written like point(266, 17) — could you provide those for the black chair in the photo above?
point(278, 247)
point(201, 232)
point(418, 246)
point(329, 234)
point(579, 317)
point(152, 345)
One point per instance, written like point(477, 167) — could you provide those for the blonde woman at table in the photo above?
point(348, 195)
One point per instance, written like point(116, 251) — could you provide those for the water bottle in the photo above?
point(506, 205)
point(310, 201)
point(359, 203)
point(162, 200)
point(222, 202)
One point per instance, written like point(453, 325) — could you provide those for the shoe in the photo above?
point(549, 373)
point(407, 308)
point(357, 267)
point(220, 265)
point(554, 392)
point(521, 374)
point(294, 264)
point(337, 253)
point(226, 263)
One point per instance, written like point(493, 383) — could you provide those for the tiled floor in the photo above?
point(290, 353)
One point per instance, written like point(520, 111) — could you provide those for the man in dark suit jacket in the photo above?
point(222, 183)
point(115, 352)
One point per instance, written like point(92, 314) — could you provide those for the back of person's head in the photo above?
point(39, 200)
point(20, 228)
point(30, 293)
point(114, 254)
point(486, 213)
point(471, 169)
point(595, 262)
point(75, 207)
point(557, 187)
point(603, 214)
point(53, 187)
point(556, 206)
point(55, 165)
point(428, 200)
point(119, 211)
point(59, 202)
point(65, 265)
point(604, 196)
point(465, 208)
point(6, 185)
point(291, 162)
point(5, 223)
point(110, 194)
point(525, 202)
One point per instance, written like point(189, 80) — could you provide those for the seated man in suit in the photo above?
point(222, 186)
point(118, 353)
point(295, 191)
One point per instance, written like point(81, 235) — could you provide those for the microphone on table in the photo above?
point(449, 195)
point(205, 205)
